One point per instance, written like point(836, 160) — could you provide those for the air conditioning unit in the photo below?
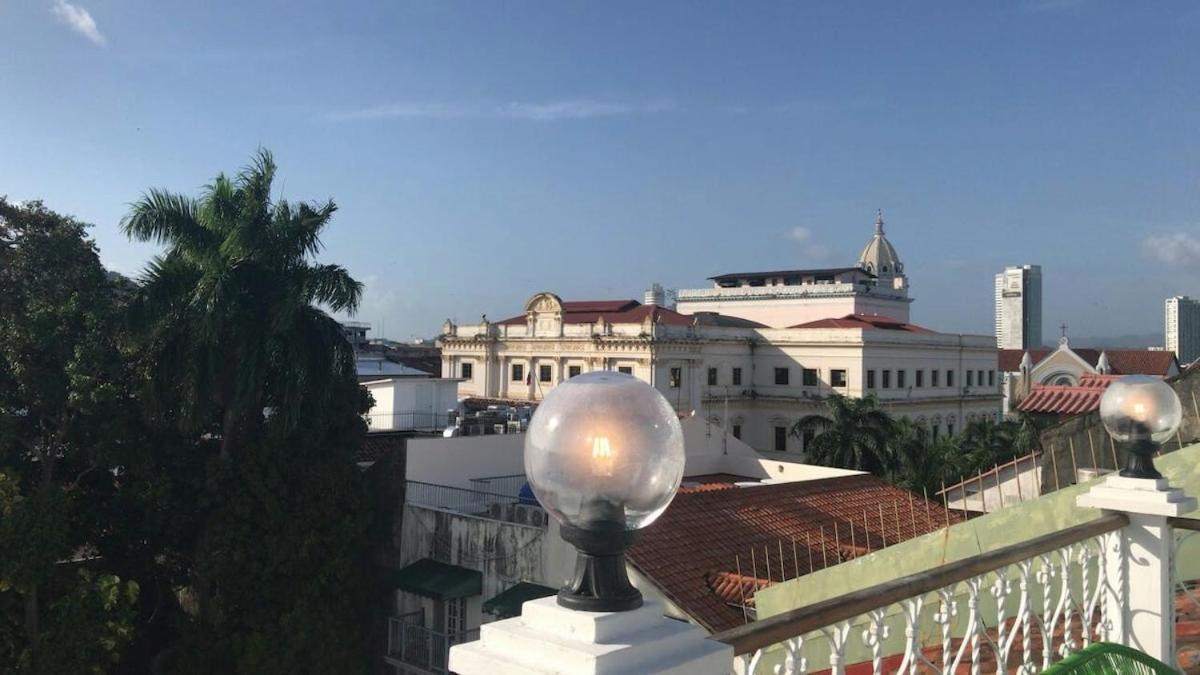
point(520, 515)
point(527, 514)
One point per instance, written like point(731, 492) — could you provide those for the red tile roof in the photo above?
point(1123, 361)
point(734, 588)
point(712, 529)
point(1052, 399)
point(865, 321)
point(613, 311)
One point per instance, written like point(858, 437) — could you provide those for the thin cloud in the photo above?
point(811, 250)
point(79, 20)
point(1052, 5)
point(799, 234)
point(1173, 249)
point(548, 111)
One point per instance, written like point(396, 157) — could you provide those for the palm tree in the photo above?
point(854, 435)
point(923, 463)
point(231, 312)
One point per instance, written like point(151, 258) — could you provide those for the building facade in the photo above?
point(1182, 328)
point(1019, 307)
point(758, 377)
point(1065, 366)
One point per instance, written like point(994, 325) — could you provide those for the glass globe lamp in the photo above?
point(604, 456)
point(1141, 411)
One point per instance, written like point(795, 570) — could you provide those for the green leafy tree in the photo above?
point(854, 435)
point(231, 312)
point(61, 409)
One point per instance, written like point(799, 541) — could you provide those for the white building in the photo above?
point(1019, 307)
point(406, 399)
point(778, 299)
point(1182, 328)
point(758, 376)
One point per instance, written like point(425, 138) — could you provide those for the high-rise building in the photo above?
point(1019, 307)
point(1183, 328)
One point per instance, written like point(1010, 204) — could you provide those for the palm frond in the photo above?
point(166, 218)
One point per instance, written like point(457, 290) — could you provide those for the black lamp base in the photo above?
point(601, 583)
point(1140, 461)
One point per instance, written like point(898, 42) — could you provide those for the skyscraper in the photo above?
point(1183, 328)
point(1019, 307)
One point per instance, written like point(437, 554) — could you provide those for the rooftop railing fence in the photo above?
point(1018, 608)
point(491, 505)
point(411, 643)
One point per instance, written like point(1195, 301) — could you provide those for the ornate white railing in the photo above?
point(1019, 608)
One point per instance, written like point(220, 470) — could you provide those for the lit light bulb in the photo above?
point(602, 456)
point(1138, 411)
point(1140, 407)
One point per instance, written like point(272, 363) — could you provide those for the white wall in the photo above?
point(455, 461)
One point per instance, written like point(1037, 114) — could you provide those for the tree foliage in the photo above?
point(230, 312)
point(858, 434)
point(62, 416)
point(177, 485)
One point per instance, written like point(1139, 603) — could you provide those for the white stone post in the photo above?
point(547, 638)
point(1140, 599)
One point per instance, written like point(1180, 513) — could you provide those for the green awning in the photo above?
point(438, 580)
point(508, 604)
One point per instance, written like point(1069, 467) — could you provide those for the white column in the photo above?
point(1141, 599)
point(547, 638)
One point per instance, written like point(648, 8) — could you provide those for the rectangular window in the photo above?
point(920, 378)
point(949, 428)
point(712, 377)
point(544, 373)
point(628, 370)
point(781, 376)
point(970, 378)
point(933, 377)
point(935, 430)
point(810, 377)
point(737, 431)
point(518, 372)
point(737, 376)
point(780, 439)
point(949, 378)
point(887, 379)
point(808, 436)
point(676, 377)
point(466, 370)
point(572, 371)
point(979, 377)
point(870, 379)
point(991, 378)
point(901, 378)
point(837, 378)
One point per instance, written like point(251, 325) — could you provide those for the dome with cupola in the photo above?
point(880, 257)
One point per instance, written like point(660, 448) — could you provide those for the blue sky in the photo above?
point(483, 151)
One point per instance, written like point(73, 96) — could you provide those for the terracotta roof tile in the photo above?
point(1123, 361)
point(709, 530)
point(865, 321)
point(613, 311)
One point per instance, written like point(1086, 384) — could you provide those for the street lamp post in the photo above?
point(604, 456)
point(1142, 412)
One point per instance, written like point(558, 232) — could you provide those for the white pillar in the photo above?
point(1141, 599)
point(547, 638)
